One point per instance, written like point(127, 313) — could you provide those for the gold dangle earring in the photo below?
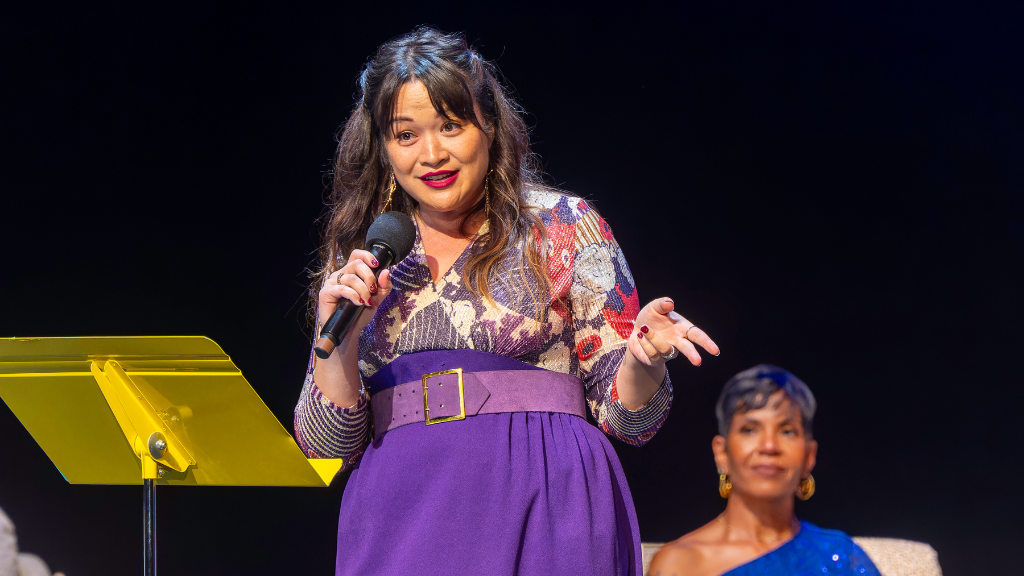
point(724, 486)
point(806, 488)
point(391, 192)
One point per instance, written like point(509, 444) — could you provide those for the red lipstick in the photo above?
point(440, 179)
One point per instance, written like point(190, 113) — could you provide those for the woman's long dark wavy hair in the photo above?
point(456, 77)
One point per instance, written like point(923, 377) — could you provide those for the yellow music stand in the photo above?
point(150, 410)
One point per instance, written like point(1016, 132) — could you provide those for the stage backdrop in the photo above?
point(835, 190)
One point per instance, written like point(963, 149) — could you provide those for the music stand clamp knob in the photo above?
point(156, 444)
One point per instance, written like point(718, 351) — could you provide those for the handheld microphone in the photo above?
point(389, 239)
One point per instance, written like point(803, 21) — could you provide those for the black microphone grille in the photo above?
point(394, 229)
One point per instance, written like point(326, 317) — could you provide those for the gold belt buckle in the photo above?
point(462, 398)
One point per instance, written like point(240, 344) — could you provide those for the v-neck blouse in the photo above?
point(579, 326)
point(420, 253)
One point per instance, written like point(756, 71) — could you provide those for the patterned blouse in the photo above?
point(580, 327)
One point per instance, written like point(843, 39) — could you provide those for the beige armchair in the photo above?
point(895, 557)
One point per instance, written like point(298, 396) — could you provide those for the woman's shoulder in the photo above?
point(809, 530)
point(562, 212)
point(673, 555)
point(826, 540)
point(548, 199)
point(688, 554)
point(827, 544)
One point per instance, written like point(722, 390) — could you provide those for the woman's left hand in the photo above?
point(659, 330)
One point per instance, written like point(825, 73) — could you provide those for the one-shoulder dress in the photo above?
point(527, 493)
point(812, 552)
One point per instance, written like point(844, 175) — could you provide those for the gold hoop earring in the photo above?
point(724, 486)
point(391, 192)
point(806, 488)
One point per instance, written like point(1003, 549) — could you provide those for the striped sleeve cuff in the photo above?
point(325, 430)
point(638, 426)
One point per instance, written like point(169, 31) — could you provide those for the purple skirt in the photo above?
point(526, 493)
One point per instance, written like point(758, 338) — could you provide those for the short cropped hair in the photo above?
point(750, 390)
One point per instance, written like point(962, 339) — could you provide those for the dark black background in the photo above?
point(837, 190)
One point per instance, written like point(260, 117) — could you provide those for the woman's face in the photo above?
point(767, 453)
point(441, 163)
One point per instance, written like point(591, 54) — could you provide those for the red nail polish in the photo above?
point(373, 261)
point(373, 289)
point(639, 335)
point(361, 303)
point(371, 301)
point(644, 328)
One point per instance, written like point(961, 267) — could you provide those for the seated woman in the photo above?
point(14, 563)
point(765, 453)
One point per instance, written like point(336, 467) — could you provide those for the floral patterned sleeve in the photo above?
point(325, 430)
point(605, 305)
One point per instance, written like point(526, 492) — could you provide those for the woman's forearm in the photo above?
point(642, 400)
point(636, 383)
point(337, 377)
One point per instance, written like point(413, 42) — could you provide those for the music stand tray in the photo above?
point(150, 410)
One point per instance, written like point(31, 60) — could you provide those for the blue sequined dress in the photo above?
point(813, 551)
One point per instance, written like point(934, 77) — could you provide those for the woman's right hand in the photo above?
point(337, 377)
point(355, 282)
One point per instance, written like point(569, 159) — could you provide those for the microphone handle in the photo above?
point(336, 327)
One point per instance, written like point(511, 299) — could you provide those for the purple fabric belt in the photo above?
point(482, 392)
